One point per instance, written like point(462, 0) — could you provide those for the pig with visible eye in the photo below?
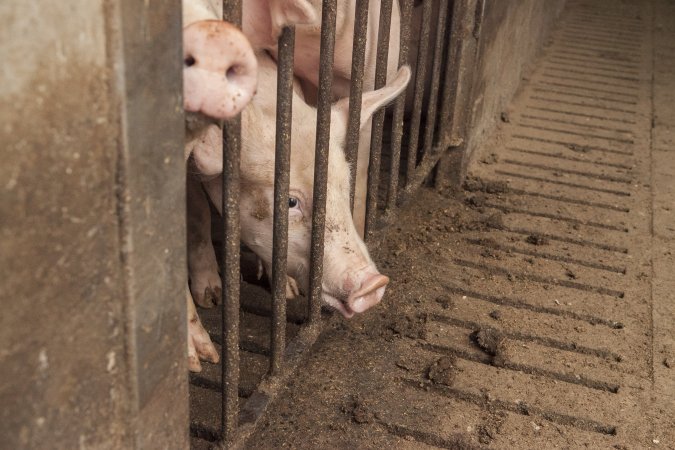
point(351, 282)
point(259, 21)
point(219, 79)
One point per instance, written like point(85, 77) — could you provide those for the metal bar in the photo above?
point(328, 14)
point(230, 276)
point(459, 31)
point(467, 19)
point(270, 388)
point(282, 171)
point(378, 118)
point(399, 107)
point(230, 273)
point(419, 91)
point(356, 90)
point(435, 77)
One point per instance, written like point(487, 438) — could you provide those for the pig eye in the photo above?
point(190, 61)
point(293, 202)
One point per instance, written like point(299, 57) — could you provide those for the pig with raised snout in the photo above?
point(351, 282)
point(260, 17)
point(219, 79)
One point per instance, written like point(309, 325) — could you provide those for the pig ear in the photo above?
point(374, 100)
point(291, 12)
point(263, 20)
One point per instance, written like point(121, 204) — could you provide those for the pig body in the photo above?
point(351, 282)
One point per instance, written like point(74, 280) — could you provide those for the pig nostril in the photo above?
point(190, 61)
point(232, 72)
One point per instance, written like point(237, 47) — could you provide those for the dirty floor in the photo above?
point(536, 307)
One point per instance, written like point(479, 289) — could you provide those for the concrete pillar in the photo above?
point(92, 217)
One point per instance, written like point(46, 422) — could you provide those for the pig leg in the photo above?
point(199, 341)
point(292, 289)
point(205, 283)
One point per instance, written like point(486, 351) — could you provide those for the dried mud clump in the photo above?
point(359, 411)
point(485, 223)
point(536, 239)
point(495, 221)
point(461, 442)
point(445, 302)
point(491, 187)
point(489, 340)
point(414, 327)
point(578, 148)
point(476, 201)
point(443, 371)
point(493, 343)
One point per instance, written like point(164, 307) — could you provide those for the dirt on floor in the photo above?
point(532, 309)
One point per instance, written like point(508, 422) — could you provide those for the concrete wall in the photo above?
point(92, 329)
point(507, 36)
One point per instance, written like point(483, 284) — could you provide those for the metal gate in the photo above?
point(417, 143)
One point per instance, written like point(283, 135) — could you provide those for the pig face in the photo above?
point(219, 75)
point(351, 282)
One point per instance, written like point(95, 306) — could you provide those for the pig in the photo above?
point(351, 283)
point(259, 17)
point(219, 79)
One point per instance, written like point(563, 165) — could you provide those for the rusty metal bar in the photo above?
point(230, 273)
point(459, 31)
point(356, 90)
point(399, 107)
point(378, 118)
point(435, 77)
point(328, 14)
point(230, 257)
point(282, 171)
point(419, 91)
point(467, 17)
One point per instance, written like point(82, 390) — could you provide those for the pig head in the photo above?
point(219, 74)
point(307, 51)
point(351, 282)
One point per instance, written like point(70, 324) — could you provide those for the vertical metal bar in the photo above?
point(399, 107)
point(356, 90)
point(459, 31)
point(378, 118)
point(282, 170)
point(328, 14)
point(230, 275)
point(435, 77)
point(419, 91)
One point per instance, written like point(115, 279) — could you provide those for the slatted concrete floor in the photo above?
point(559, 268)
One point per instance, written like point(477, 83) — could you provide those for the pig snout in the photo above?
point(220, 71)
point(362, 290)
point(369, 294)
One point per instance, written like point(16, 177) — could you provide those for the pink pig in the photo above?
point(351, 284)
point(219, 79)
point(260, 26)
